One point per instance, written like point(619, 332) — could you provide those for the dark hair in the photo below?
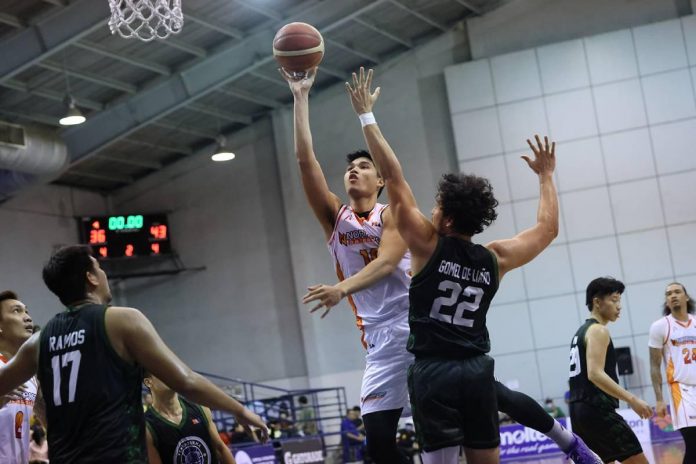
point(65, 273)
point(7, 295)
point(601, 287)
point(468, 201)
point(665, 309)
point(302, 399)
point(350, 157)
point(38, 435)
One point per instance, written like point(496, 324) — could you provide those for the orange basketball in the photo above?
point(298, 47)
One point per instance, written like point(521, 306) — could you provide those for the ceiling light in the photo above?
point(221, 152)
point(74, 116)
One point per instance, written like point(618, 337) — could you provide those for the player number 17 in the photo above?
point(456, 290)
point(58, 362)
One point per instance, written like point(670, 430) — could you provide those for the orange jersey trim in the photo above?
point(358, 319)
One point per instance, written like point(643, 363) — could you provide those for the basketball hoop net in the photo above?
point(146, 19)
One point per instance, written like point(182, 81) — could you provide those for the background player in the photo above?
point(673, 338)
point(451, 383)
point(362, 237)
point(594, 384)
point(89, 360)
point(179, 431)
point(16, 408)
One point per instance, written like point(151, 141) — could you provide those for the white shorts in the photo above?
point(384, 384)
point(683, 402)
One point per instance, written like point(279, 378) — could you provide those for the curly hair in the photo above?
point(689, 304)
point(468, 201)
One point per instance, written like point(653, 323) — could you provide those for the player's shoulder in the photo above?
point(599, 331)
point(660, 324)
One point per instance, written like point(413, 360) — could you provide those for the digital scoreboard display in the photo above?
point(132, 236)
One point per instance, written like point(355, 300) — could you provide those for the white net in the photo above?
point(146, 19)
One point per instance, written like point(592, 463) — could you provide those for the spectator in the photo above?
point(553, 410)
point(353, 441)
point(306, 417)
point(287, 426)
point(240, 435)
point(38, 447)
point(147, 401)
point(406, 441)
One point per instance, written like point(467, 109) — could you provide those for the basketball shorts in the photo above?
point(604, 431)
point(384, 384)
point(454, 403)
point(683, 403)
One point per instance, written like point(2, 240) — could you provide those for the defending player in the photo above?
point(594, 384)
point(16, 408)
point(90, 361)
point(451, 384)
point(673, 339)
point(179, 431)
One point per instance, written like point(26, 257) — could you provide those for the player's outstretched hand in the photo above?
point(361, 96)
point(248, 420)
point(299, 85)
point(544, 161)
point(641, 408)
point(327, 296)
point(661, 409)
point(14, 395)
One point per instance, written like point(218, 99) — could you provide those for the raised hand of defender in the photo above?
point(248, 419)
point(327, 295)
point(361, 96)
point(544, 161)
point(299, 83)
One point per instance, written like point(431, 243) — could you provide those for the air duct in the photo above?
point(28, 155)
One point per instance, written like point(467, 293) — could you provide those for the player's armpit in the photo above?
point(521, 249)
point(21, 367)
point(153, 456)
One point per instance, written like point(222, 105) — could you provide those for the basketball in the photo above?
point(298, 47)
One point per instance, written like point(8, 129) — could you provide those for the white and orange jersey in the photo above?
point(14, 425)
point(678, 343)
point(354, 243)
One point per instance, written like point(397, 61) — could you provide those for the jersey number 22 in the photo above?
point(456, 290)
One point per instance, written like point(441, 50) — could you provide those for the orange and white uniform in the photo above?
point(381, 311)
point(15, 432)
point(677, 340)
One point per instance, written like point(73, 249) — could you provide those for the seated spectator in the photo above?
point(240, 435)
point(38, 447)
point(353, 441)
point(287, 426)
point(406, 441)
point(305, 415)
point(553, 410)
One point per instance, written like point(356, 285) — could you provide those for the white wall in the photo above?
point(622, 107)
point(33, 225)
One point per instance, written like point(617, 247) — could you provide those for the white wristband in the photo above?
point(367, 118)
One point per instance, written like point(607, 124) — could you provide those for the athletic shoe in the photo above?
point(581, 454)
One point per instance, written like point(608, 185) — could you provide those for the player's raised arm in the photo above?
point(324, 203)
point(525, 246)
point(418, 232)
point(135, 332)
point(20, 367)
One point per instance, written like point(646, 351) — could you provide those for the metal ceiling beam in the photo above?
point(368, 56)
point(216, 26)
point(185, 47)
point(251, 97)
point(277, 81)
point(343, 75)
point(140, 63)
point(164, 146)
point(418, 15)
point(188, 85)
point(90, 77)
point(200, 133)
point(267, 12)
point(468, 5)
point(11, 20)
point(403, 41)
point(43, 119)
point(138, 163)
point(101, 176)
point(216, 113)
point(52, 95)
point(56, 2)
point(67, 25)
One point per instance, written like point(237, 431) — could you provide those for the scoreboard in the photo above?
point(137, 235)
